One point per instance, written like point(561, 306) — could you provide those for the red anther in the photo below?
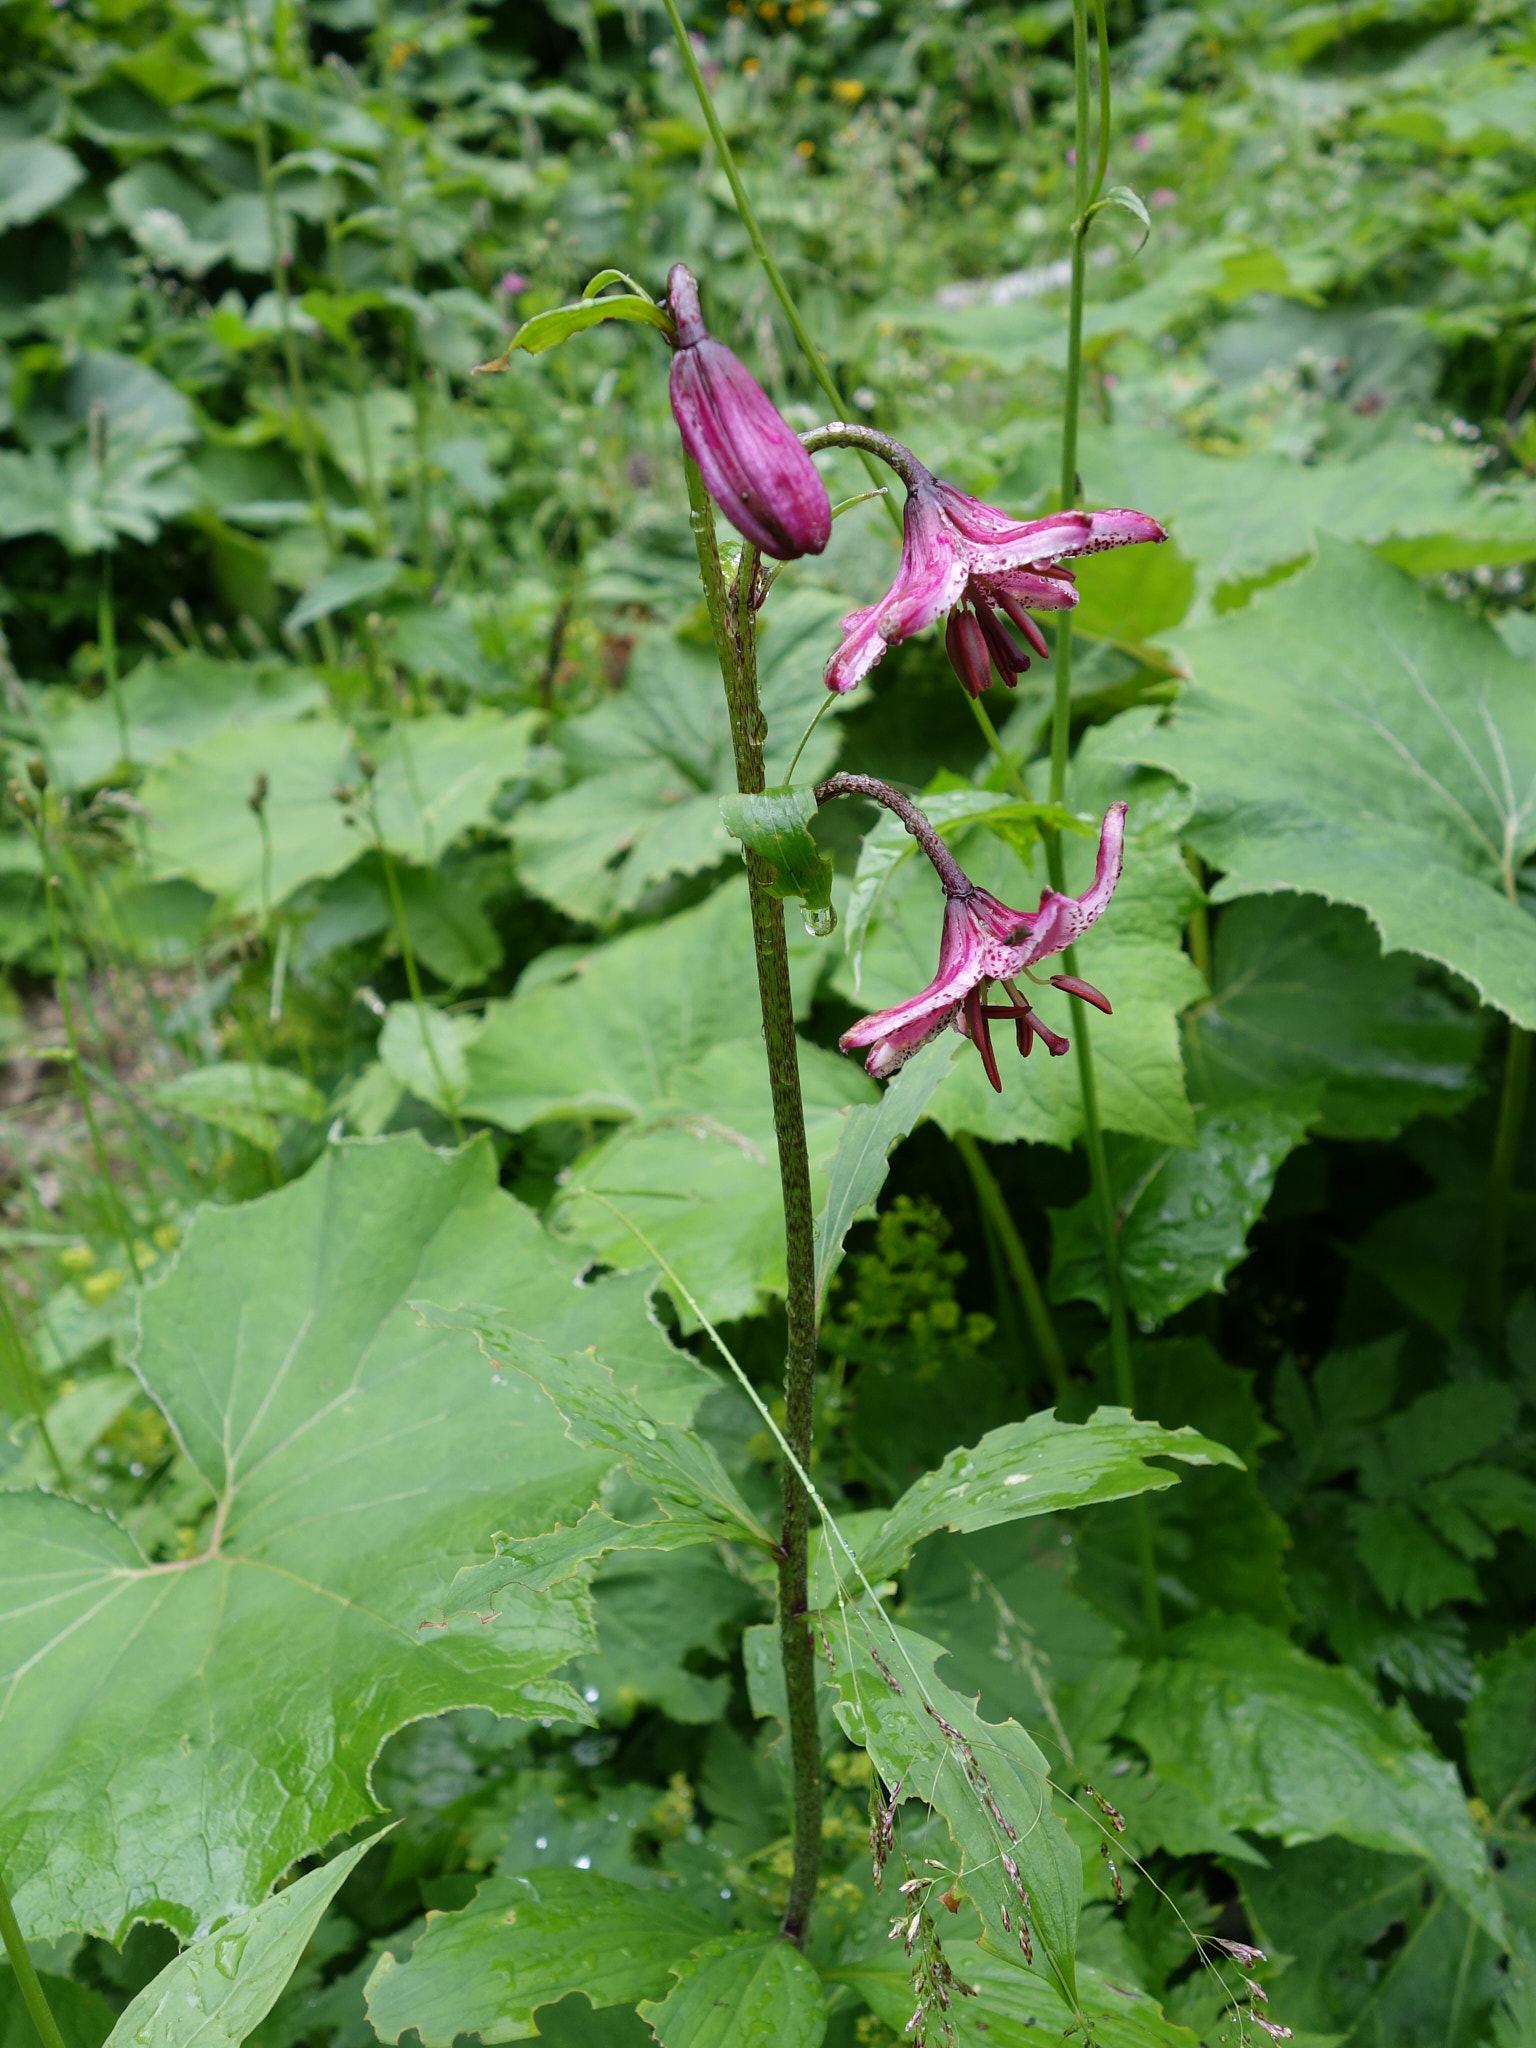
point(966, 646)
point(980, 1034)
point(1023, 621)
point(1007, 655)
point(1085, 991)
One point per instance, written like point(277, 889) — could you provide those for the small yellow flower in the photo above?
point(167, 1236)
point(805, 147)
point(77, 1258)
point(750, 66)
point(401, 53)
point(849, 90)
point(102, 1286)
point(794, 16)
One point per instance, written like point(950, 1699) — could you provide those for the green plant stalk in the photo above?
point(990, 1197)
point(735, 632)
point(405, 270)
point(1506, 1153)
point(308, 447)
point(408, 956)
point(759, 241)
point(51, 883)
point(106, 640)
point(33, 1995)
point(1085, 192)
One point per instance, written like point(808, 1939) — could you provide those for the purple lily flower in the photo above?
point(983, 942)
point(752, 462)
point(973, 562)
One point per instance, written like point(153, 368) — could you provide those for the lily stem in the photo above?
point(1084, 194)
point(1506, 1152)
point(990, 1198)
point(734, 622)
point(33, 1995)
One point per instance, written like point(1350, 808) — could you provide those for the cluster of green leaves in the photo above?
point(360, 1479)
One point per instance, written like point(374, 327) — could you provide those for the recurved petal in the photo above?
point(896, 1034)
point(1061, 920)
point(927, 585)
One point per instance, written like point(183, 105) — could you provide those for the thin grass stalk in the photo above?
point(995, 1209)
point(33, 1996)
point(1501, 1178)
point(1085, 192)
point(733, 621)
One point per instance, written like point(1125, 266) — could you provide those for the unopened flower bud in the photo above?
point(752, 462)
point(258, 796)
point(37, 772)
point(367, 767)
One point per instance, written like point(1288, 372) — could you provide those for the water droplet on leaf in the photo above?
point(820, 924)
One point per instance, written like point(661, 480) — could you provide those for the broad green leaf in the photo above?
point(1274, 1741)
point(439, 776)
point(648, 767)
point(243, 1096)
point(777, 826)
point(1501, 1725)
point(608, 1038)
point(34, 176)
point(857, 1169)
point(201, 825)
point(698, 1175)
point(1184, 1214)
point(357, 1461)
point(526, 1942)
point(352, 582)
point(222, 1987)
point(1302, 994)
point(168, 702)
point(424, 1051)
point(1016, 2008)
point(89, 505)
point(990, 1784)
point(1038, 1467)
point(1350, 736)
point(741, 1991)
point(1240, 520)
point(1134, 954)
point(601, 1414)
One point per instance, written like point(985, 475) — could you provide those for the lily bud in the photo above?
point(752, 462)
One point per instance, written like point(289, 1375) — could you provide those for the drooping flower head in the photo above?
point(983, 942)
point(753, 464)
point(972, 562)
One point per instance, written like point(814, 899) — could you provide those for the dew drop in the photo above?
point(583, 1862)
point(227, 1951)
point(820, 924)
point(1202, 1205)
point(541, 1841)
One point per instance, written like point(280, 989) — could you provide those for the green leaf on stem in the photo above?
point(355, 1461)
point(777, 827)
point(741, 1991)
point(989, 1782)
point(548, 330)
point(1129, 202)
point(244, 1097)
point(1038, 1467)
point(222, 1987)
point(527, 1942)
point(1501, 1725)
point(1355, 737)
point(600, 1414)
point(857, 1170)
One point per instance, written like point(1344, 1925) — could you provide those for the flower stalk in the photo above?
point(1085, 194)
point(733, 620)
point(1506, 1152)
point(27, 1982)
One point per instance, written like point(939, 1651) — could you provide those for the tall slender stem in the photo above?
point(756, 237)
point(734, 622)
point(995, 1208)
point(1085, 191)
point(1506, 1153)
point(33, 1996)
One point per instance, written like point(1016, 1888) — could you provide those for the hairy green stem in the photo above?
point(33, 1996)
point(1506, 1153)
point(735, 630)
point(990, 1196)
point(408, 956)
point(1085, 191)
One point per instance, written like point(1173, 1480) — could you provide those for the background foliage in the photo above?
point(383, 751)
